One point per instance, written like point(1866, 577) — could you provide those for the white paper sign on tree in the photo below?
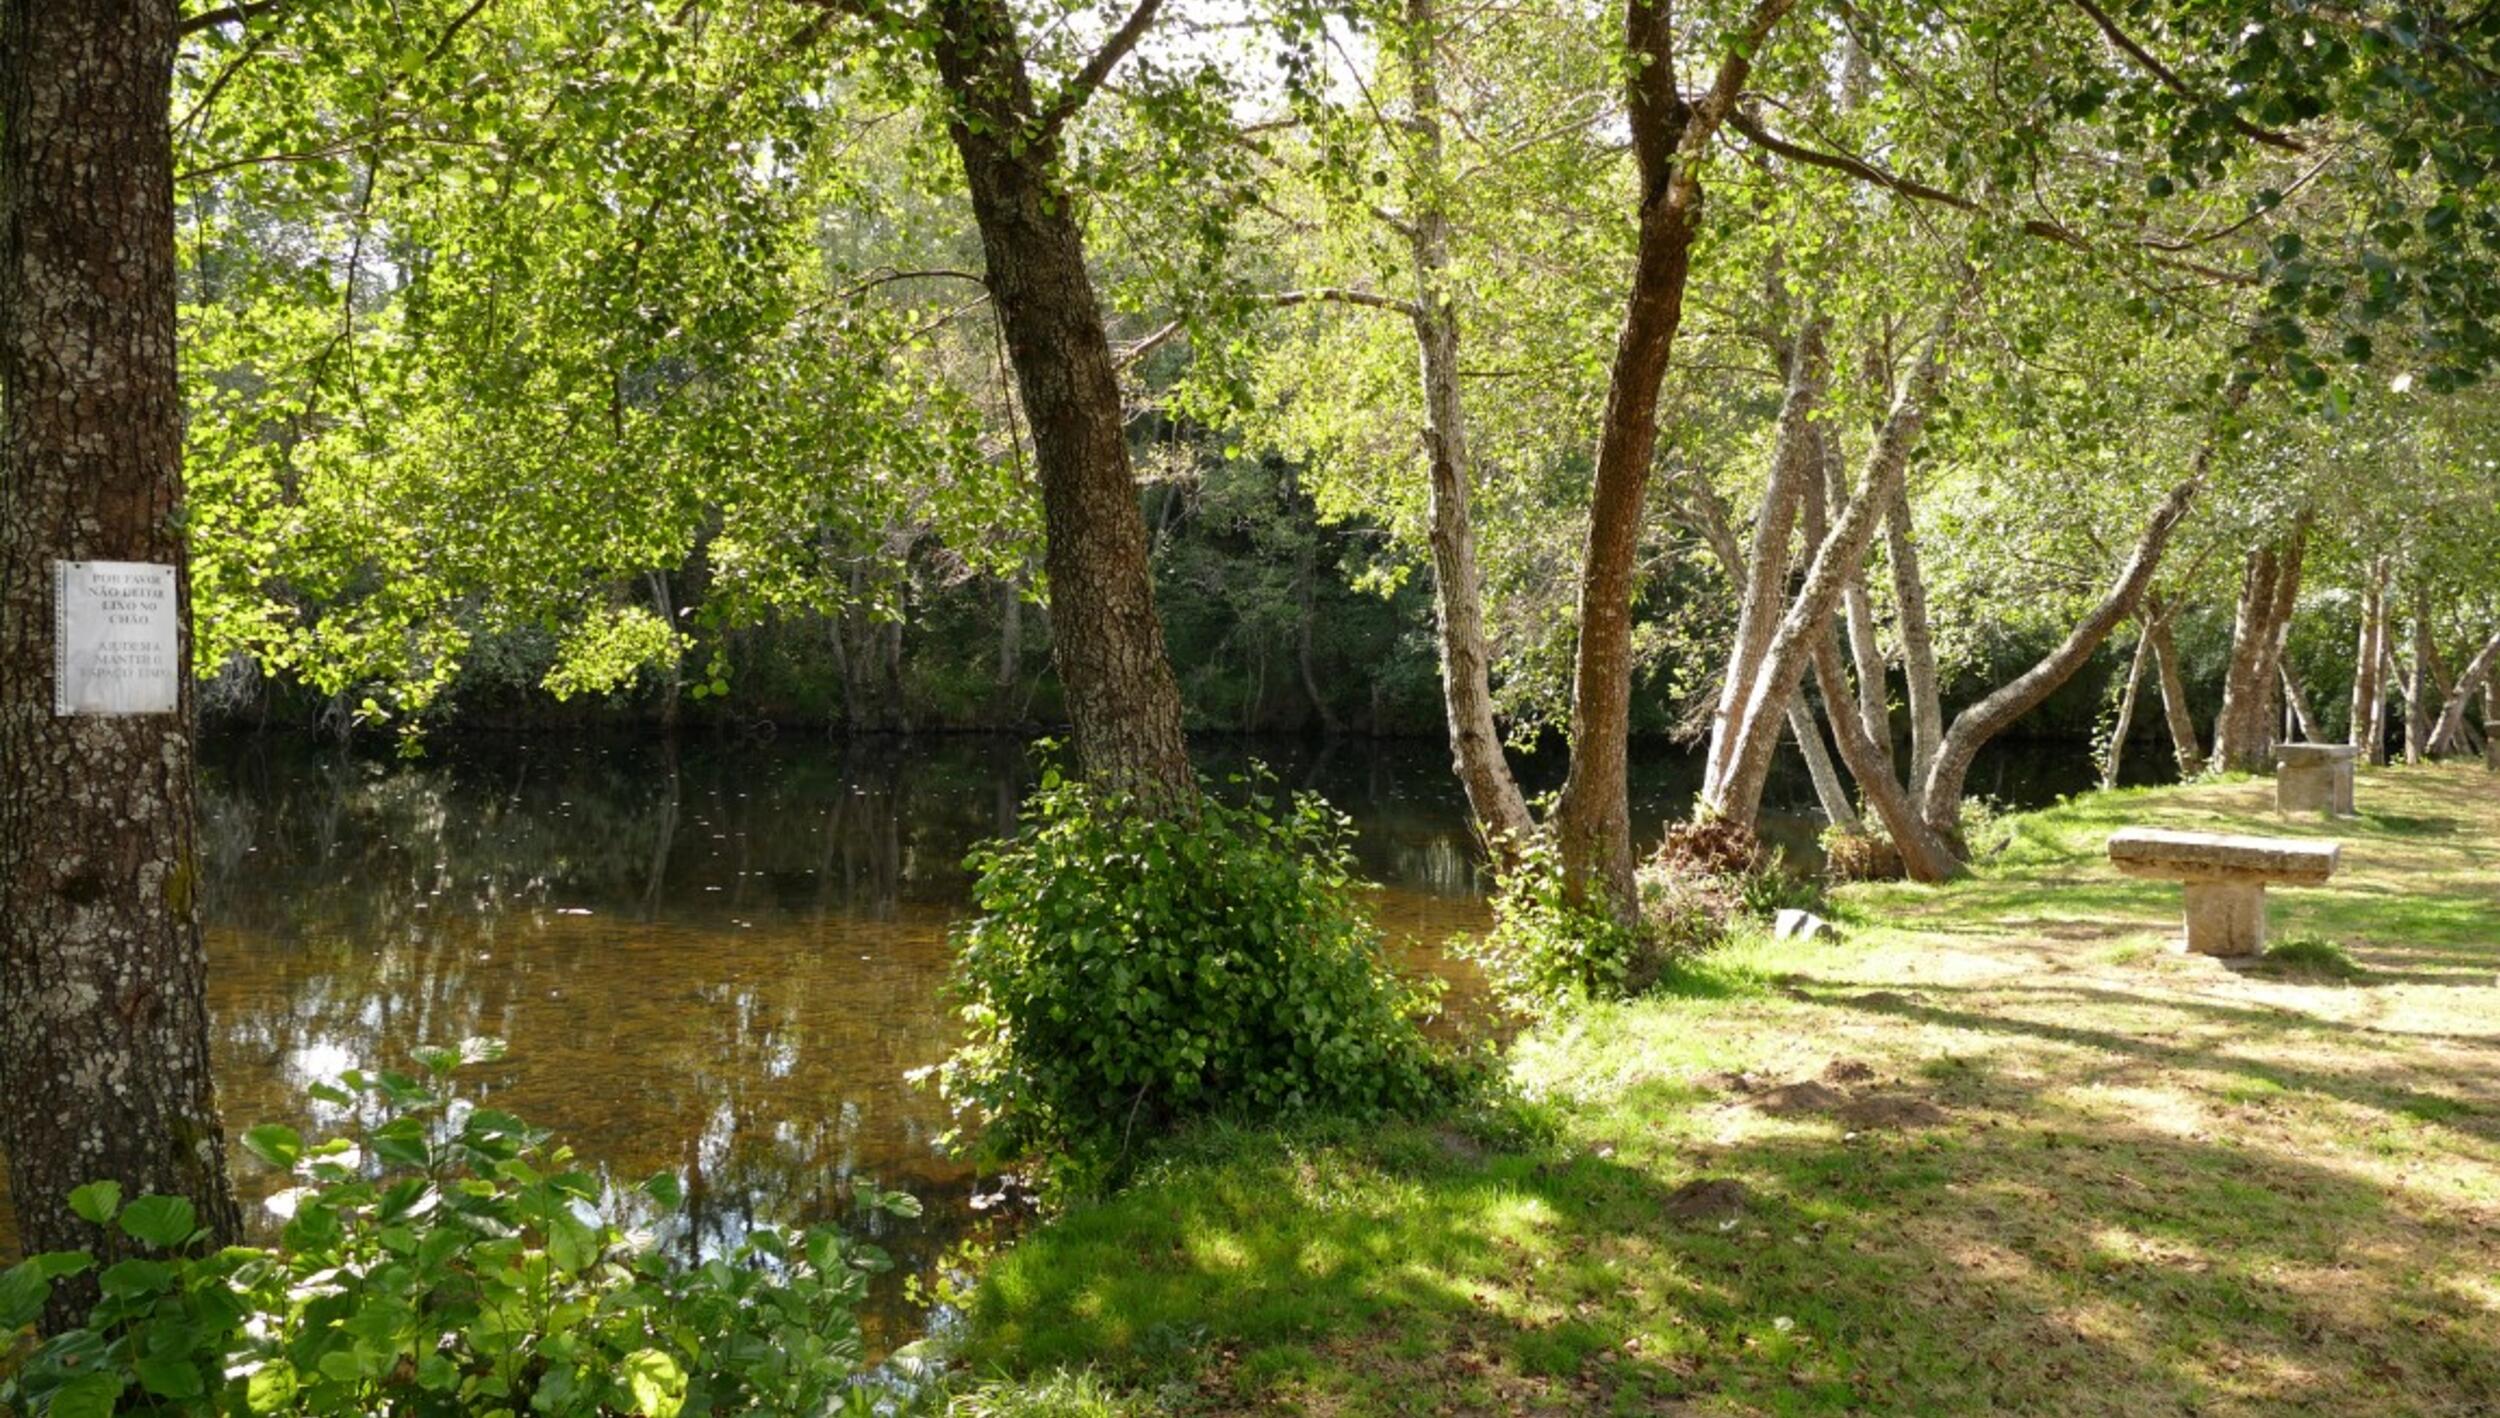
point(114, 646)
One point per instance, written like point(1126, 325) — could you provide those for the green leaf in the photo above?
point(271, 1388)
point(170, 1378)
point(97, 1201)
point(87, 1396)
point(161, 1221)
point(274, 1143)
point(137, 1277)
point(656, 1382)
point(24, 1289)
point(664, 1188)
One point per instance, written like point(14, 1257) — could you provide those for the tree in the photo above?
point(1124, 705)
point(103, 1025)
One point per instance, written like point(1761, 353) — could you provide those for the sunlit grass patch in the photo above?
point(1994, 1150)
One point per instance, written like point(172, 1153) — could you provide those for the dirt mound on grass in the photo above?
point(1707, 1199)
point(1845, 1071)
point(1792, 1098)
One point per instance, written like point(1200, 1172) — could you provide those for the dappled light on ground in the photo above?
point(2000, 1150)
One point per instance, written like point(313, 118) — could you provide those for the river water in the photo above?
point(721, 958)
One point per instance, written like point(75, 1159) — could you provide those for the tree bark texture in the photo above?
point(2241, 735)
point(1836, 559)
point(1762, 574)
point(1493, 796)
point(1918, 640)
point(1941, 802)
point(104, 1060)
point(1124, 704)
point(1857, 605)
point(1923, 857)
point(1709, 517)
point(1671, 136)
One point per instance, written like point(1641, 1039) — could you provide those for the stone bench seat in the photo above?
point(2226, 878)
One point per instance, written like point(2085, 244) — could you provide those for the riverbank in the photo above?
point(1998, 1150)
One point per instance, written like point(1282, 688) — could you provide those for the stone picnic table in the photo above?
point(2226, 877)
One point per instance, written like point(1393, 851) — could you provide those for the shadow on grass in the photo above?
point(2046, 1262)
point(2461, 1114)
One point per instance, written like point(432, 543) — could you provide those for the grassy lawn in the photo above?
point(2000, 1149)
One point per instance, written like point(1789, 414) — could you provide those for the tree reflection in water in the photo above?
point(712, 958)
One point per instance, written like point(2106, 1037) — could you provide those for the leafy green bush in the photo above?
point(1864, 855)
point(1545, 951)
point(451, 1261)
point(1127, 971)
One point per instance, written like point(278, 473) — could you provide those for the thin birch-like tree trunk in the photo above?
point(2115, 757)
point(1941, 802)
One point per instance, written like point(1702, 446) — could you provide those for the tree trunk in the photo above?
point(2298, 699)
point(2484, 668)
point(1010, 634)
point(2236, 734)
point(2115, 758)
point(1762, 575)
point(104, 1058)
point(2382, 612)
point(1124, 705)
point(2418, 679)
point(1865, 651)
point(1922, 856)
point(1739, 793)
point(1670, 139)
point(1941, 803)
point(1918, 641)
point(1493, 796)
point(1709, 517)
point(2175, 709)
point(2491, 716)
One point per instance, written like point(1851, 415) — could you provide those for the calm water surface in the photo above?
point(720, 959)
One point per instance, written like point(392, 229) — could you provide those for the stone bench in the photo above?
point(2226, 878)
point(2314, 777)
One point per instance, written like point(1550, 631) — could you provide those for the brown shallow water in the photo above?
point(718, 959)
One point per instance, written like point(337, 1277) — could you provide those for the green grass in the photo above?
point(2047, 1165)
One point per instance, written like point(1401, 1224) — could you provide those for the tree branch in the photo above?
point(1338, 295)
point(240, 13)
point(2179, 86)
point(1090, 78)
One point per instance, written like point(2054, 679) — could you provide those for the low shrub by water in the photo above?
point(450, 1259)
point(1127, 971)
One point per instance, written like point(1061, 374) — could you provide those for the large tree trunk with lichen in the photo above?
point(2269, 586)
point(1941, 801)
point(104, 1062)
point(1493, 796)
point(1124, 705)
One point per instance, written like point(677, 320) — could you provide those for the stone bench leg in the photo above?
point(2342, 804)
point(2226, 917)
